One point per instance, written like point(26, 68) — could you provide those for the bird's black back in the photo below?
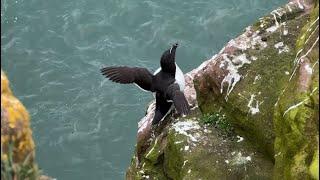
point(161, 81)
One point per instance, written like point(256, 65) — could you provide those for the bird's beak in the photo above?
point(174, 47)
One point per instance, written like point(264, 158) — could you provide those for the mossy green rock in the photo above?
point(255, 110)
point(247, 77)
point(187, 150)
point(296, 119)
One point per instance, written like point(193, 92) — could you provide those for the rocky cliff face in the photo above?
point(17, 145)
point(255, 108)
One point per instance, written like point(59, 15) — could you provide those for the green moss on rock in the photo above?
point(314, 167)
point(173, 160)
point(192, 151)
point(217, 120)
point(262, 83)
point(297, 112)
point(273, 109)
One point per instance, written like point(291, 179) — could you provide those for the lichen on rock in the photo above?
point(15, 124)
point(17, 145)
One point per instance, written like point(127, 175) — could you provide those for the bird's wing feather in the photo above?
point(126, 75)
point(179, 100)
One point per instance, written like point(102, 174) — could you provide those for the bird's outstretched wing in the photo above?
point(126, 75)
point(179, 100)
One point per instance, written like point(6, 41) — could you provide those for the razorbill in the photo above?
point(167, 83)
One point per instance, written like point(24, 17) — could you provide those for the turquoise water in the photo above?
point(85, 126)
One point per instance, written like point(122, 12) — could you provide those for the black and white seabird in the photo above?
point(167, 83)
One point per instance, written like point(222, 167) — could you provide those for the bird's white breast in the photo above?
point(178, 76)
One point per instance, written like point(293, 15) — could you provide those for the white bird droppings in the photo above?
point(272, 29)
point(254, 58)
point(253, 109)
point(239, 159)
point(281, 47)
point(308, 68)
point(278, 45)
point(258, 77)
point(182, 127)
point(184, 163)
point(240, 138)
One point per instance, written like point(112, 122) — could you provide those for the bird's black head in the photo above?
point(167, 61)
